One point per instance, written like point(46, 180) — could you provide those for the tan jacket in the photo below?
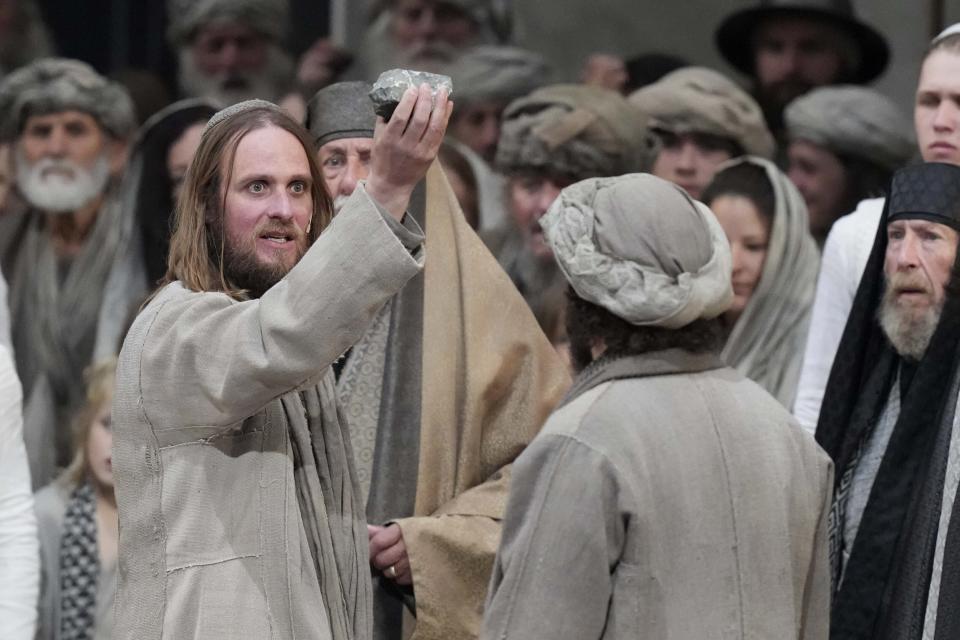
point(676, 501)
point(239, 513)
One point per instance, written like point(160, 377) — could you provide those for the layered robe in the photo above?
point(54, 308)
point(449, 384)
point(668, 497)
point(239, 509)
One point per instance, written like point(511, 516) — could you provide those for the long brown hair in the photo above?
point(196, 246)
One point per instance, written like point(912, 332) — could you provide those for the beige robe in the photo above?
point(490, 379)
point(679, 500)
point(239, 509)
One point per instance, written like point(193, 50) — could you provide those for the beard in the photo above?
point(909, 329)
point(775, 97)
point(267, 83)
point(432, 56)
point(60, 185)
point(245, 269)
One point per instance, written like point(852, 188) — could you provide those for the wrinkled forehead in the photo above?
point(921, 225)
point(47, 117)
point(346, 146)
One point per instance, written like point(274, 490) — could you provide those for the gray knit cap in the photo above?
point(269, 17)
point(701, 100)
point(854, 121)
point(491, 72)
point(52, 85)
point(236, 109)
point(575, 130)
point(341, 110)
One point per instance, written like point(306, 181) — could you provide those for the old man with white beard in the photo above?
point(230, 50)
point(69, 128)
point(890, 422)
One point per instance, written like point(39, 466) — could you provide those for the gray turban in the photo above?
point(642, 249)
point(52, 85)
point(853, 121)
point(342, 110)
point(700, 100)
point(574, 130)
point(491, 72)
point(269, 17)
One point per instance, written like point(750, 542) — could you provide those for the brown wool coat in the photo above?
point(239, 508)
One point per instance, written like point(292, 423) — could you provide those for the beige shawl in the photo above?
point(490, 378)
point(767, 342)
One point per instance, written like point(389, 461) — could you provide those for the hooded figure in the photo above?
point(889, 421)
point(767, 335)
point(56, 289)
point(668, 496)
point(147, 194)
point(449, 383)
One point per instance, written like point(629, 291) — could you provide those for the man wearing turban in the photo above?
point(69, 128)
point(668, 496)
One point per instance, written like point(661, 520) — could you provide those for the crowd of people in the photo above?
point(652, 354)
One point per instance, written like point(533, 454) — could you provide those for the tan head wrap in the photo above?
point(574, 130)
point(491, 72)
point(855, 121)
point(269, 17)
point(700, 100)
point(641, 248)
point(51, 85)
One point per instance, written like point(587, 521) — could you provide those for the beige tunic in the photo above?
point(239, 509)
point(681, 506)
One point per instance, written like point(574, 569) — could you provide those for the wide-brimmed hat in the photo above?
point(735, 35)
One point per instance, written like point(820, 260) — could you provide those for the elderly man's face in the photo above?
point(821, 179)
point(529, 197)
point(690, 160)
point(431, 29)
point(228, 48)
point(917, 267)
point(936, 114)
point(267, 208)
point(344, 163)
point(64, 160)
point(793, 55)
point(478, 126)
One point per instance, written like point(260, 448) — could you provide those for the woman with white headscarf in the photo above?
point(775, 263)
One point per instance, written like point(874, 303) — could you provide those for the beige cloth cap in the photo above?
point(855, 121)
point(701, 100)
point(641, 248)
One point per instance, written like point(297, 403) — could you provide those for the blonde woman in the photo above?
point(77, 517)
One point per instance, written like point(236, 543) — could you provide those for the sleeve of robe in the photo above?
point(210, 360)
point(19, 553)
point(816, 597)
point(563, 534)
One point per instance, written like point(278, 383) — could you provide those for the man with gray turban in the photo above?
point(551, 138)
point(230, 50)
point(69, 128)
point(845, 142)
point(702, 119)
point(405, 389)
point(668, 496)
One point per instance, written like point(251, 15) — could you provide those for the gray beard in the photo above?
point(56, 194)
point(908, 333)
point(269, 83)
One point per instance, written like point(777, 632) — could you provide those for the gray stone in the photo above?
point(390, 86)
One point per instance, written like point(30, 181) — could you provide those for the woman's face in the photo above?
point(100, 448)
point(180, 155)
point(749, 234)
